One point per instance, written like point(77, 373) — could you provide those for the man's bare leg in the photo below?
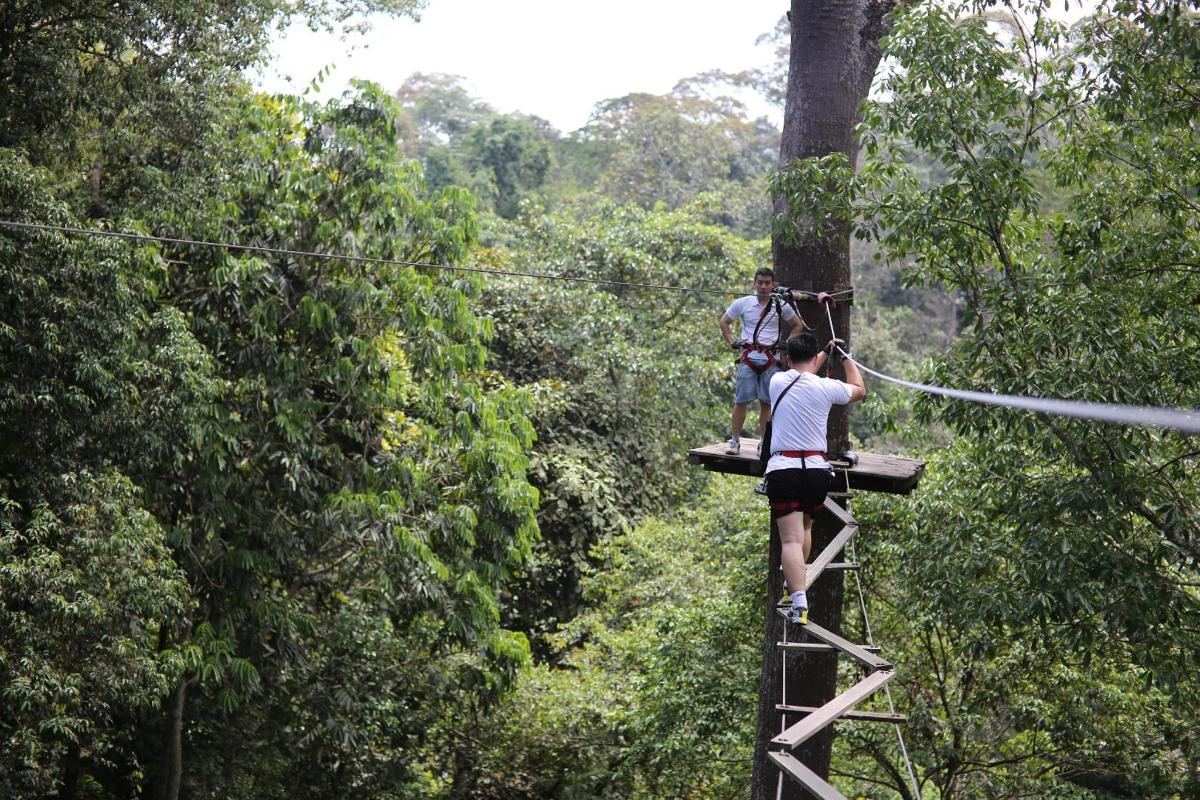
point(764, 416)
point(795, 539)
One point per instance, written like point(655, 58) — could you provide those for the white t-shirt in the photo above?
point(748, 311)
point(800, 421)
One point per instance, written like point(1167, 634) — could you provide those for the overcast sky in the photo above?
point(552, 58)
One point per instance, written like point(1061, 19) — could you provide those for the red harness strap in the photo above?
point(800, 453)
point(766, 349)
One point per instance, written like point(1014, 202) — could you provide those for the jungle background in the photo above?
point(278, 526)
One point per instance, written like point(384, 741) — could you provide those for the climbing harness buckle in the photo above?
point(758, 357)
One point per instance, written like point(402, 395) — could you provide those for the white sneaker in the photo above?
point(734, 447)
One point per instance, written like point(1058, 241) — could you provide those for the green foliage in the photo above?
point(118, 96)
point(91, 367)
point(503, 159)
point(87, 585)
point(515, 156)
point(657, 695)
point(1098, 296)
point(293, 495)
point(999, 707)
point(625, 381)
point(359, 482)
point(683, 149)
point(669, 148)
point(314, 440)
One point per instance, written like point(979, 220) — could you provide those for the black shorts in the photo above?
point(792, 490)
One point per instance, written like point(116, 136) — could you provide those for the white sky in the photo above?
point(552, 58)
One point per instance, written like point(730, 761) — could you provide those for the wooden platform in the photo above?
point(872, 473)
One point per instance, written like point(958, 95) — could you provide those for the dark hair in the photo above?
point(802, 347)
point(770, 273)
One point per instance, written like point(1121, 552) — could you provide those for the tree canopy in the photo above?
point(368, 526)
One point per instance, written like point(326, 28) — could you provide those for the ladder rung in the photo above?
point(821, 647)
point(867, 659)
point(811, 781)
point(844, 565)
point(837, 707)
point(862, 716)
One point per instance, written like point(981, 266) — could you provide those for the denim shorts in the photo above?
point(752, 385)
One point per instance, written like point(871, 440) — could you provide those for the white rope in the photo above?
point(862, 604)
point(782, 702)
point(1184, 421)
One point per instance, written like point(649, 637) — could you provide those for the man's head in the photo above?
point(764, 282)
point(802, 348)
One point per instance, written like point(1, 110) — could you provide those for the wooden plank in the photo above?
point(843, 565)
point(713, 457)
point(820, 647)
point(849, 648)
point(826, 714)
point(812, 782)
point(873, 472)
point(829, 553)
point(839, 511)
point(857, 716)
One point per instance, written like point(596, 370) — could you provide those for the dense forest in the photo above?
point(276, 525)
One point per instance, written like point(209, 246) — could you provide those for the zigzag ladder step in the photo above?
point(820, 647)
point(803, 730)
point(857, 716)
point(794, 769)
point(840, 707)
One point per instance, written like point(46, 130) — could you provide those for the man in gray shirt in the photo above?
point(757, 342)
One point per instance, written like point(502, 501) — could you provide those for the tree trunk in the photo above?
point(173, 766)
point(72, 772)
point(834, 54)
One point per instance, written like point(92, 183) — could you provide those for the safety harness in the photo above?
point(792, 505)
point(767, 351)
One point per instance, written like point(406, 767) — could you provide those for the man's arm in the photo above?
point(858, 389)
point(726, 331)
point(798, 326)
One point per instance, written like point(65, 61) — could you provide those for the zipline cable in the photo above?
point(1141, 416)
point(1184, 421)
point(1173, 419)
point(250, 248)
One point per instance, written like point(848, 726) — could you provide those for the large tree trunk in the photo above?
point(834, 55)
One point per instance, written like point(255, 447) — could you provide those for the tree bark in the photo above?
point(834, 54)
point(173, 766)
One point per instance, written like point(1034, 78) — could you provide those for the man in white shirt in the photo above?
point(798, 473)
point(757, 342)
